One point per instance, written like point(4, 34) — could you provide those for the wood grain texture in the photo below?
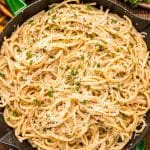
point(139, 11)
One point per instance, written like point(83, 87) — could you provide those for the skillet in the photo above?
point(6, 134)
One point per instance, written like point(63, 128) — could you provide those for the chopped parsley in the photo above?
point(89, 64)
point(89, 7)
point(74, 72)
point(82, 57)
point(104, 42)
point(78, 85)
point(28, 55)
point(31, 62)
point(119, 49)
point(84, 102)
point(97, 47)
point(2, 75)
point(98, 65)
point(69, 77)
point(68, 136)
point(50, 92)
point(53, 57)
point(113, 21)
point(91, 36)
point(37, 103)
point(53, 19)
point(15, 114)
point(67, 68)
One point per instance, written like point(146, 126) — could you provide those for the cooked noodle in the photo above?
point(75, 77)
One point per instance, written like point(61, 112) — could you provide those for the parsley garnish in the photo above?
point(67, 68)
point(104, 42)
point(50, 92)
point(84, 101)
point(53, 19)
point(74, 72)
point(53, 57)
point(98, 65)
point(113, 21)
point(69, 77)
point(89, 7)
point(82, 57)
point(37, 103)
point(2, 75)
point(97, 46)
point(15, 114)
point(77, 85)
point(31, 62)
point(28, 55)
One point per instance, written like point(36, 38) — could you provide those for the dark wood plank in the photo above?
point(139, 11)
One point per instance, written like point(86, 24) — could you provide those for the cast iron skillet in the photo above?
point(6, 133)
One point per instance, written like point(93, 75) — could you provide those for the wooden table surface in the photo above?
point(139, 11)
point(143, 13)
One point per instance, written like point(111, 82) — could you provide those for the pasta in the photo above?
point(75, 77)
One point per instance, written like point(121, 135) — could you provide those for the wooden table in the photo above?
point(141, 12)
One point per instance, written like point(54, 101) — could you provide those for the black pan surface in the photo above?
point(6, 134)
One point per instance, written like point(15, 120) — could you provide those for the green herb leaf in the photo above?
point(91, 36)
point(82, 57)
point(97, 46)
point(50, 92)
point(2, 75)
point(88, 63)
point(104, 42)
point(78, 85)
point(53, 57)
point(84, 102)
point(28, 55)
point(89, 7)
point(67, 68)
point(37, 103)
point(74, 72)
point(15, 114)
point(98, 65)
point(113, 21)
point(31, 62)
point(53, 19)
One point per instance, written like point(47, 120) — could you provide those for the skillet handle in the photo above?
point(16, 6)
